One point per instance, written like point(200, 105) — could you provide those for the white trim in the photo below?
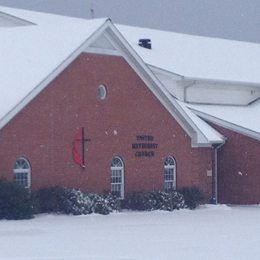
point(28, 171)
point(116, 167)
point(122, 172)
point(222, 82)
point(102, 92)
point(169, 167)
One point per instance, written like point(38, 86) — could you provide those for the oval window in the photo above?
point(102, 92)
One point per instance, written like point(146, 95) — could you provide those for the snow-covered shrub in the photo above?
point(169, 200)
point(155, 200)
point(62, 200)
point(15, 201)
point(193, 196)
point(73, 201)
point(113, 201)
point(99, 204)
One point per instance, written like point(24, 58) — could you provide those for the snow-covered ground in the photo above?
point(211, 232)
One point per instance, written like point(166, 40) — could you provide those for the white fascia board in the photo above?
point(227, 125)
point(197, 137)
point(49, 78)
point(222, 82)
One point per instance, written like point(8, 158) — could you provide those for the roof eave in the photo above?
point(228, 125)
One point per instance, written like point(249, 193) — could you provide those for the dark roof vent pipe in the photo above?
point(145, 43)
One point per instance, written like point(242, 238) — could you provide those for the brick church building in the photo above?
point(92, 105)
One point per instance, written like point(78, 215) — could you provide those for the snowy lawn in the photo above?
point(211, 232)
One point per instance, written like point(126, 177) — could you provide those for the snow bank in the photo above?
point(211, 232)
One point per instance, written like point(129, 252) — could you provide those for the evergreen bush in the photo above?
point(15, 201)
point(48, 200)
point(99, 204)
point(193, 196)
point(62, 200)
point(169, 200)
point(155, 200)
point(112, 200)
point(73, 201)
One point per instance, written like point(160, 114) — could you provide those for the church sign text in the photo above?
point(145, 146)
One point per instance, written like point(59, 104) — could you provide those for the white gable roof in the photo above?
point(29, 54)
point(197, 57)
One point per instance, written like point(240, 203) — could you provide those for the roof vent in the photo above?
point(145, 43)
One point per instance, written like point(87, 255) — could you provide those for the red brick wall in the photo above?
point(238, 169)
point(44, 131)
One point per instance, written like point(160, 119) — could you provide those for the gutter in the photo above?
point(214, 199)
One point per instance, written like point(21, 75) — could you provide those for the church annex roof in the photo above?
point(197, 57)
point(246, 117)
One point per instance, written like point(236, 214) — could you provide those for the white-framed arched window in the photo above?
point(117, 176)
point(22, 172)
point(169, 174)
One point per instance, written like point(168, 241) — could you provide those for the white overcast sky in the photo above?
point(232, 19)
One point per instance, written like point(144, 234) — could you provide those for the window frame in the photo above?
point(167, 169)
point(102, 91)
point(113, 171)
point(27, 171)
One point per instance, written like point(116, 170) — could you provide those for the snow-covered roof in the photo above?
point(29, 54)
point(247, 117)
point(40, 18)
point(197, 57)
point(210, 133)
point(205, 58)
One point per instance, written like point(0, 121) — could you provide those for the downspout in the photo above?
point(214, 199)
